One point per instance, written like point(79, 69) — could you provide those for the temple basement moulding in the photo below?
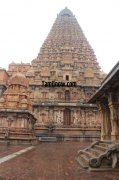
point(65, 56)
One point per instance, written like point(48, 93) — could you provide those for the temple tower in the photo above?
point(65, 57)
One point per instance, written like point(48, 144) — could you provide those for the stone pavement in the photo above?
point(15, 154)
point(51, 161)
point(6, 150)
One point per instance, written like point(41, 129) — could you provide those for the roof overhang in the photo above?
point(110, 82)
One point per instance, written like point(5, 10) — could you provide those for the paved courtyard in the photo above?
point(49, 161)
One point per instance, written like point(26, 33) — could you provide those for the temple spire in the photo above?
point(67, 46)
point(66, 35)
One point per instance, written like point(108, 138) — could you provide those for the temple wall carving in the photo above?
point(16, 118)
point(81, 94)
point(18, 67)
point(65, 56)
point(79, 118)
point(58, 117)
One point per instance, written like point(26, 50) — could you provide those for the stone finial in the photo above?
point(18, 79)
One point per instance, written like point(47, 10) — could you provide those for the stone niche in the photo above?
point(45, 72)
point(89, 73)
point(17, 127)
point(67, 58)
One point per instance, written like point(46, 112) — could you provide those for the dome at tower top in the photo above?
point(18, 79)
point(66, 12)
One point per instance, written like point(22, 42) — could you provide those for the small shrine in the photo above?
point(16, 117)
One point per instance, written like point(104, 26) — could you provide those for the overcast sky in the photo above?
point(24, 25)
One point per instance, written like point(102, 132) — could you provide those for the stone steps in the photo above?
point(100, 148)
point(82, 161)
point(104, 144)
point(88, 154)
point(95, 151)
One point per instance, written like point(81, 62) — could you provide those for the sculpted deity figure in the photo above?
point(75, 118)
point(59, 117)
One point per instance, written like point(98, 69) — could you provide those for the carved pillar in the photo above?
point(114, 116)
point(105, 121)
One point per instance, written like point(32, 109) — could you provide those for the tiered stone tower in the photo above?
point(16, 119)
point(65, 56)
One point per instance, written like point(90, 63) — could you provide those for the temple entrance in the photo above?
point(67, 117)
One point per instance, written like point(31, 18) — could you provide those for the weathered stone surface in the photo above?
point(16, 119)
point(104, 155)
point(65, 56)
point(50, 161)
point(107, 99)
point(100, 156)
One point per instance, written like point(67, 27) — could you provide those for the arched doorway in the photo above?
point(67, 117)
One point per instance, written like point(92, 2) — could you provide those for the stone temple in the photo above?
point(67, 61)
